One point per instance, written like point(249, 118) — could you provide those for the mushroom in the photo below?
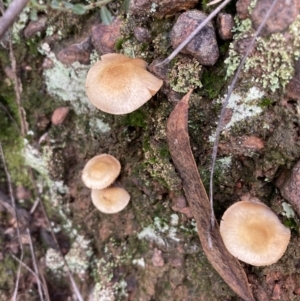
point(110, 200)
point(101, 171)
point(119, 85)
point(252, 232)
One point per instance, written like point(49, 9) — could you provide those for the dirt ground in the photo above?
point(150, 250)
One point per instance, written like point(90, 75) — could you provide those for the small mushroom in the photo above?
point(101, 171)
point(110, 200)
point(252, 232)
point(119, 85)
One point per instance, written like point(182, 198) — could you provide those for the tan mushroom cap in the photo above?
point(252, 232)
point(110, 200)
point(101, 171)
point(119, 85)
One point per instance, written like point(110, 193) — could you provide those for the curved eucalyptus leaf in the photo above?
point(105, 15)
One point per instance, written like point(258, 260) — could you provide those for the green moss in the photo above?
point(265, 102)
point(119, 44)
point(213, 81)
point(136, 118)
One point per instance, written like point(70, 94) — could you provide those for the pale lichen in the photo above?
point(78, 257)
point(185, 74)
point(242, 105)
point(271, 62)
point(161, 231)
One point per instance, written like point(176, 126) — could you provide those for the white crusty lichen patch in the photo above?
point(78, 257)
point(242, 105)
point(67, 82)
point(160, 231)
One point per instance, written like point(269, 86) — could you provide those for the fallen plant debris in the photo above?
point(225, 264)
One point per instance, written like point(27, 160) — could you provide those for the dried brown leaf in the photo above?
point(225, 264)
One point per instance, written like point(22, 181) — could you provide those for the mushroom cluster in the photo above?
point(98, 174)
point(253, 233)
point(118, 84)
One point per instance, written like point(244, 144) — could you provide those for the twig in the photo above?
point(18, 90)
point(10, 15)
point(76, 290)
point(27, 268)
point(63, 8)
point(194, 33)
point(229, 92)
point(35, 264)
point(17, 219)
point(10, 117)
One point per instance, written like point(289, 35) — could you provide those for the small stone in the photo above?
point(35, 27)
point(48, 63)
point(204, 45)
point(253, 143)
point(104, 37)
point(242, 9)
point(142, 34)
point(225, 24)
point(59, 115)
point(297, 291)
point(76, 53)
point(290, 187)
point(157, 259)
point(283, 15)
point(276, 292)
point(160, 9)
point(293, 87)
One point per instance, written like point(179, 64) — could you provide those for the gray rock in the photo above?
point(289, 186)
point(293, 87)
point(79, 52)
point(283, 14)
point(204, 45)
point(104, 37)
point(225, 24)
point(34, 27)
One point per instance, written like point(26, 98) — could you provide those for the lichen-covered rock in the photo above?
point(104, 37)
point(290, 188)
point(270, 63)
point(159, 8)
point(225, 25)
point(79, 52)
point(283, 15)
point(204, 45)
point(35, 27)
point(293, 87)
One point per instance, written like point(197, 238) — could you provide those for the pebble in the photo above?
point(225, 24)
point(289, 187)
point(104, 37)
point(253, 142)
point(35, 27)
point(157, 258)
point(242, 9)
point(293, 87)
point(59, 115)
point(283, 14)
point(160, 9)
point(142, 34)
point(79, 52)
point(204, 45)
